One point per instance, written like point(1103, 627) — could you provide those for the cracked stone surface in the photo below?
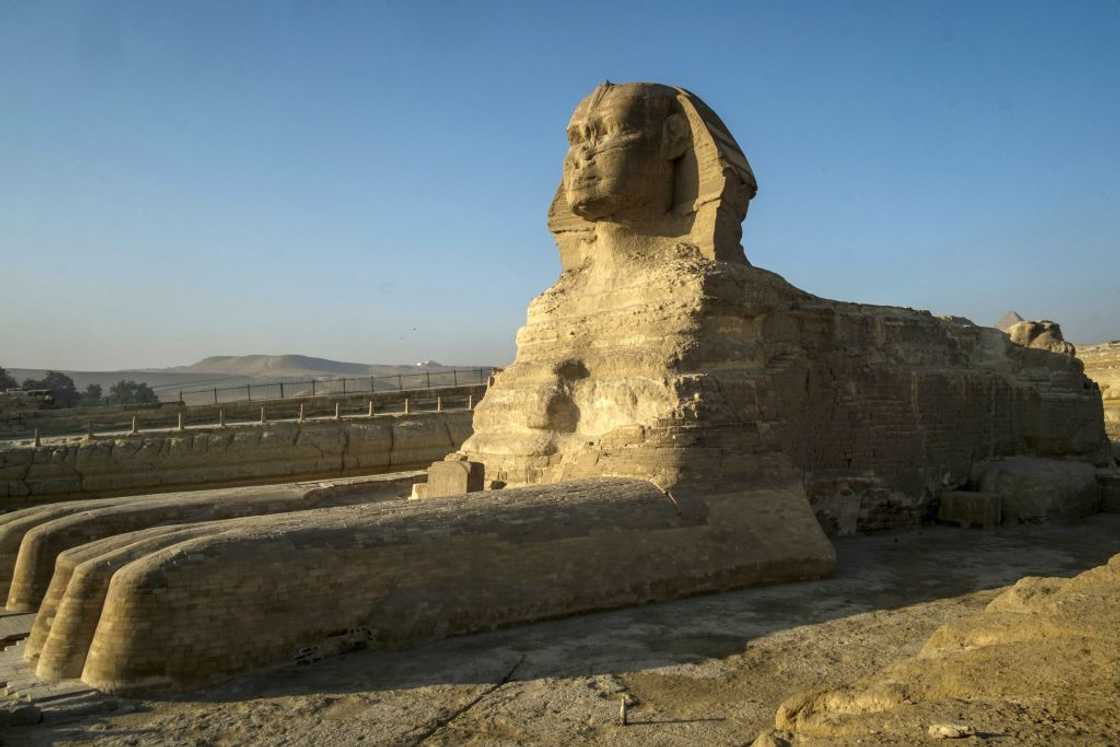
point(706, 670)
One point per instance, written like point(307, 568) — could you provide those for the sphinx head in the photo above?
point(656, 161)
point(623, 142)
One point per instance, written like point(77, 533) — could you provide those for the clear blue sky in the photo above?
point(369, 182)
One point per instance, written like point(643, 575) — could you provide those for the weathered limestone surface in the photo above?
point(1039, 663)
point(1102, 365)
point(198, 458)
point(1034, 489)
point(1041, 335)
point(228, 595)
point(660, 352)
point(42, 533)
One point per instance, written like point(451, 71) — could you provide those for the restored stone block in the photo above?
point(983, 510)
point(454, 478)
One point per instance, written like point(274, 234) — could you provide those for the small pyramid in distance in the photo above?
point(1008, 320)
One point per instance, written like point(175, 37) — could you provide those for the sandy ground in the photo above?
point(707, 670)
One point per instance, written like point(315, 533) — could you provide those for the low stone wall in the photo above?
point(228, 456)
point(77, 420)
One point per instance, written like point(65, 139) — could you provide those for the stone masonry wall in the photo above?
point(226, 456)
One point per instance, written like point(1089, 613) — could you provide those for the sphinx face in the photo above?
point(617, 166)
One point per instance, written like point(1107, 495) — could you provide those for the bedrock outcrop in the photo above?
point(1037, 666)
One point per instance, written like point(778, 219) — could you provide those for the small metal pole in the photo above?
point(622, 711)
point(406, 407)
point(344, 386)
point(439, 404)
point(221, 418)
point(371, 385)
point(371, 408)
point(400, 383)
point(180, 396)
point(313, 387)
point(337, 416)
point(215, 395)
point(455, 376)
point(470, 401)
point(263, 418)
point(281, 390)
point(181, 422)
point(428, 376)
point(134, 429)
point(38, 443)
point(249, 391)
point(301, 412)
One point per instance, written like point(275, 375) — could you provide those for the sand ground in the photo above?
point(707, 670)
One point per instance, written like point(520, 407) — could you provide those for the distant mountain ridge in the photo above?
point(238, 370)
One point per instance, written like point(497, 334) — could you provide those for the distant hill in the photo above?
point(236, 370)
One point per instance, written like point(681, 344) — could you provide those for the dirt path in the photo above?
point(707, 670)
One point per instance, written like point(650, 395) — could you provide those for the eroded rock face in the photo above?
point(1039, 663)
point(1043, 335)
point(662, 353)
point(1102, 365)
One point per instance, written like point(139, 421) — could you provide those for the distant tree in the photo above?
point(129, 392)
point(92, 395)
point(6, 381)
point(60, 385)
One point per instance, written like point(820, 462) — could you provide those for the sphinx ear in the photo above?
point(676, 136)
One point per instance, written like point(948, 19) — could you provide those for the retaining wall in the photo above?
point(228, 456)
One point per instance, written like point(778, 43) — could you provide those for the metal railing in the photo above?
point(334, 387)
point(276, 412)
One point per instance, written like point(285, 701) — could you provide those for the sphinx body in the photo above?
point(662, 353)
point(676, 421)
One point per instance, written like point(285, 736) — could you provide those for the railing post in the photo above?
point(263, 418)
point(470, 401)
point(301, 412)
point(371, 385)
point(38, 443)
point(439, 403)
point(180, 396)
point(344, 386)
point(313, 387)
point(249, 391)
point(133, 430)
point(371, 408)
point(281, 390)
point(400, 383)
point(181, 428)
point(428, 376)
point(406, 407)
point(215, 395)
point(337, 414)
point(455, 377)
point(221, 418)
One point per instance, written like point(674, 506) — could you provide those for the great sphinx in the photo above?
point(676, 421)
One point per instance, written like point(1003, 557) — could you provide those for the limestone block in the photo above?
point(971, 509)
point(1035, 489)
point(454, 478)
